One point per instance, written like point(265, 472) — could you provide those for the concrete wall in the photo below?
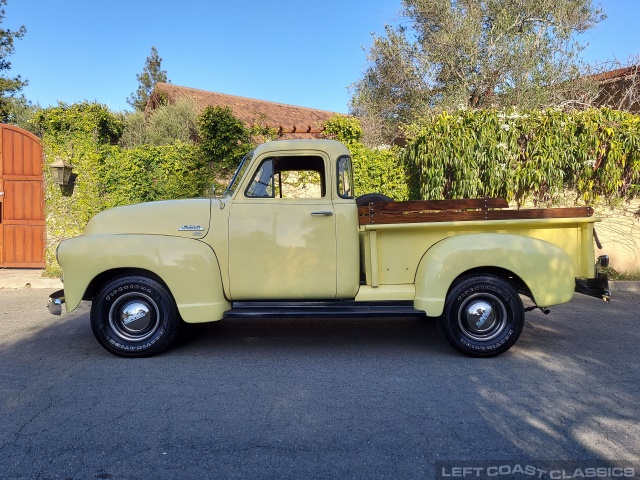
point(619, 233)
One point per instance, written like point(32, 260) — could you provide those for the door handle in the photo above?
point(322, 213)
point(1, 194)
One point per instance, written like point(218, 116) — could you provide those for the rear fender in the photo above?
point(545, 268)
point(188, 267)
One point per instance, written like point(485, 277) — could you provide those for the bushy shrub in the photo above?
point(344, 129)
point(64, 121)
point(224, 139)
point(135, 130)
point(534, 155)
point(166, 125)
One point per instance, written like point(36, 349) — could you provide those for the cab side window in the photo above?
point(289, 177)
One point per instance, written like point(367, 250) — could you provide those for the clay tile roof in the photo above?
point(616, 74)
point(288, 119)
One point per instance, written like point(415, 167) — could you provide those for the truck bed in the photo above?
point(394, 236)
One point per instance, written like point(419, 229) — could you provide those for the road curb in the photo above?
point(624, 286)
point(27, 278)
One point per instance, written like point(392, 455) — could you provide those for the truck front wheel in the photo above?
point(483, 316)
point(134, 316)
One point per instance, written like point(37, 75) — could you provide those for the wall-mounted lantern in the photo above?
point(61, 172)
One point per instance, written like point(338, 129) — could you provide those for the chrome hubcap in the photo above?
point(482, 317)
point(134, 317)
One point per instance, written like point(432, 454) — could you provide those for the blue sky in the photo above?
point(295, 52)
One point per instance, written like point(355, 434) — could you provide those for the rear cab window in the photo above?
point(344, 182)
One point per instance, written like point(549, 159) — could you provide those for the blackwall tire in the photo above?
point(483, 316)
point(363, 200)
point(134, 316)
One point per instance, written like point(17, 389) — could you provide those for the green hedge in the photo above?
point(378, 171)
point(150, 173)
point(534, 155)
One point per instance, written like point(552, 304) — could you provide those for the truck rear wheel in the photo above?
point(483, 316)
point(134, 316)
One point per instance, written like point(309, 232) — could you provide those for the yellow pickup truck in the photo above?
point(289, 238)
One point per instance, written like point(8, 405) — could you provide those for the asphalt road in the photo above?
point(270, 399)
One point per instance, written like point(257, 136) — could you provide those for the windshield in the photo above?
point(244, 163)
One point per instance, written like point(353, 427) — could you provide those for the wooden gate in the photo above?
point(22, 226)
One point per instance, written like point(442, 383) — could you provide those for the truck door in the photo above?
point(282, 232)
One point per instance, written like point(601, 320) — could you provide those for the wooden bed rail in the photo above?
point(457, 211)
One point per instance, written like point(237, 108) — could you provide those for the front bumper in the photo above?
point(599, 286)
point(56, 300)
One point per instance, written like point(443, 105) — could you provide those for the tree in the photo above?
point(9, 86)
point(19, 111)
point(471, 53)
point(151, 74)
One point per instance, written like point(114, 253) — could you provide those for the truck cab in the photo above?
point(293, 224)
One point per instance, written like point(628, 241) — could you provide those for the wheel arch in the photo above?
point(513, 279)
point(105, 277)
point(537, 268)
point(189, 270)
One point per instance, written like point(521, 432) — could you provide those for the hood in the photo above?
point(179, 218)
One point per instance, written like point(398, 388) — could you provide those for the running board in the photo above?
point(336, 308)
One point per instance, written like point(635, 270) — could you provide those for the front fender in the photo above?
point(188, 267)
point(545, 268)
